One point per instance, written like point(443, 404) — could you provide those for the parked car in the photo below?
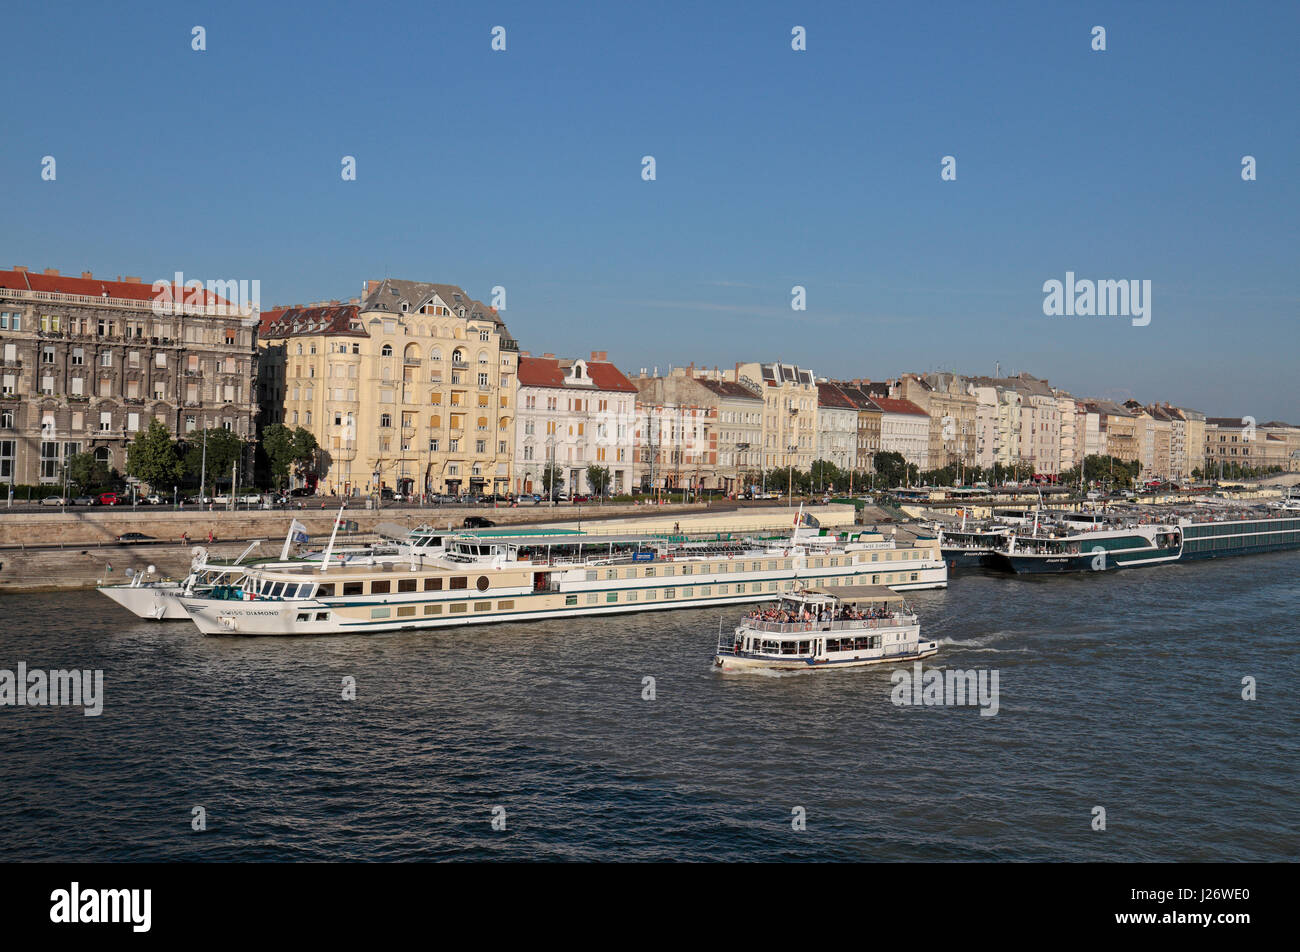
point(85, 501)
point(251, 499)
point(582, 497)
point(54, 501)
point(129, 537)
point(300, 492)
point(109, 499)
point(478, 522)
point(153, 499)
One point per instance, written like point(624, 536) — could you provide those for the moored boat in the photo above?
point(818, 629)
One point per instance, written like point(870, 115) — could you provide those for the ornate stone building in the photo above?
point(87, 363)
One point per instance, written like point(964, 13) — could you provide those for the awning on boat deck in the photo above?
point(858, 593)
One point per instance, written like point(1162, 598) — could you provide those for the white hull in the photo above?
point(158, 600)
point(823, 663)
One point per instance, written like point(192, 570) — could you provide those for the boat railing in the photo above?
point(858, 624)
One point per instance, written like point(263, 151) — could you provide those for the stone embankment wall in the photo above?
point(54, 550)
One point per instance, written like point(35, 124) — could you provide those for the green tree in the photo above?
point(152, 458)
point(87, 473)
point(224, 449)
point(891, 469)
point(289, 451)
point(598, 479)
point(552, 476)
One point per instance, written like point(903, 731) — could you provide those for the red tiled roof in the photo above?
point(93, 287)
point(890, 405)
point(550, 372)
point(829, 395)
point(327, 319)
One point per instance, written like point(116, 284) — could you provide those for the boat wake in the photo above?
point(985, 643)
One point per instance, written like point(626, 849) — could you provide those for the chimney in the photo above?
point(549, 356)
point(334, 303)
point(19, 267)
point(354, 300)
point(53, 272)
point(87, 275)
point(132, 279)
point(595, 355)
point(371, 285)
point(525, 353)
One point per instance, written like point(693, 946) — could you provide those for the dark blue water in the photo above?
point(1122, 691)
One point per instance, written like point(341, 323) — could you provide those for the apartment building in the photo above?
point(573, 413)
point(411, 388)
point(789, 412)
point(87, 363)
point(837, 427)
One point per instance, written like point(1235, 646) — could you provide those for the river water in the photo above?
point(1121, 691)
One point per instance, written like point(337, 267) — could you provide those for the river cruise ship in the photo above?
point(148, 596)
point(824, 628)
point(502, 575)
point(1142, 545)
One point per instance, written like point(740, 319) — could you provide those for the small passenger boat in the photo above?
point(817, 628)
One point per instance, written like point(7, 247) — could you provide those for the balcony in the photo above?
point(411, 361)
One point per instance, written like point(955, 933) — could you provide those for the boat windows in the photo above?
point(380, 587)
point(740, 588)
point(277, 589)
point(592, 598)
point(304, 616)
point(631, 596)
point(380, 612)
point(611, 596)
point(325, 588)
point(650, 571)
point(433, 585)
point(482, 606)
point(354, 588)
point(433, 609)
point(670, 593)
point(505, 606)
point(405, 610)
point(322, 616)
point(406, 584)
point(570, 600)
point(459, 582)
point(772, 647)
point(482, 583)
point(458, 608)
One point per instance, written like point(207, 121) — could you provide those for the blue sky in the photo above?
point(774, 168)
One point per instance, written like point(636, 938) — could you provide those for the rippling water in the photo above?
point(1122, 691)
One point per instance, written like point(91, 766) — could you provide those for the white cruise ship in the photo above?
point(497, 575)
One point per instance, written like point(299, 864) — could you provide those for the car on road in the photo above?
point(250, 499)
point(128, 537)
point(54, 501)
point(85, 500)
point(153, 499)
point(582, 497)
point(109, 499)
point(478, 522)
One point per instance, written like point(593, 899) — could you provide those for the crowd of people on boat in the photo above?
point(775, 614)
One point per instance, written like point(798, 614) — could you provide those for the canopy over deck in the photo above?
point(858, 594)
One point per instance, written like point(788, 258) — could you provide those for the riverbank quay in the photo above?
point(79, 549)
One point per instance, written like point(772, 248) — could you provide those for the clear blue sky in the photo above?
point(775, 168)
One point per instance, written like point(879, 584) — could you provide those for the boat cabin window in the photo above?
point(354, 588)
point(325, 588)
point(433, 585)
point(406, 585)
point(277, 589)
point(380, 587)
point(458, 582)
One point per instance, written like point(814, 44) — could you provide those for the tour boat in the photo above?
point(824, 628)
point(1141, 545)
point(527, 575)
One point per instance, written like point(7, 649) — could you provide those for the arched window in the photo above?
point(435, 421)
point(412, 352)
point(483, 357)
point(385, 351)
point(299, 349)
point(458, 356)
point(385, 419)
point(436, 354)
